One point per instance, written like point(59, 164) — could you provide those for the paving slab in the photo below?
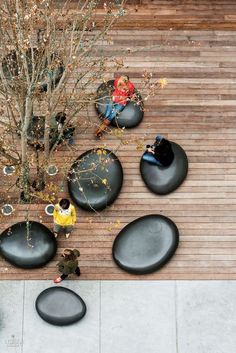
point(206, 316)
point(82, 336)
point(138, 317)
point(11, 313)
point(124, 316)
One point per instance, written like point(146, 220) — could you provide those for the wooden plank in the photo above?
point(197, 110)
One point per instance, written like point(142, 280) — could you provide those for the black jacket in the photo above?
point(164, 153)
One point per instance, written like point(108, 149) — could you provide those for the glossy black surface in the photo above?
point(10, 63)
point(163, 180)
point(60, 306)
point(36, 251)
point(95, 179)
point(146, 244)
point(132, 114)
point(11, 67)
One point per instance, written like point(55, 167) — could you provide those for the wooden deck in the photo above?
point(180, 14)
point(198, 111)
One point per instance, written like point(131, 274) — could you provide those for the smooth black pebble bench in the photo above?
point(11, 67)
point(131, 115)
point(146, 244)
point(163, 180)
point(60, 306)
point(95, 179)
point(33, 251)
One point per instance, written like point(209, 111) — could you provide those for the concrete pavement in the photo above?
point(124, 317)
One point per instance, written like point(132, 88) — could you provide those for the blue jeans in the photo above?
point(149, 157)
point(112, 110)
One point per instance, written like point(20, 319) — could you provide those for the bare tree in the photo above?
point(44, 45)
point(50, 57)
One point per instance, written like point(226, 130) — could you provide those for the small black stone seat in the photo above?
point(130, 116)
point(12, 67)
point(163, 180)
point(95, 179)
point(60, 306)
point(146, 244)
point(36, 251)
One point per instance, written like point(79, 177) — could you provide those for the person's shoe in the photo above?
point(67, 235)
point(55, 235)
point(57, 280)
point(77, 272)
point(102, 127)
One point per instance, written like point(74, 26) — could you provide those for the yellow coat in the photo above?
point(64, 219)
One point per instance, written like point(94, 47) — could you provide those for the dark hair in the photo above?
point(64, 203)
point(70, 256)
point(163, 147)
point(161, 142)
point(60, 117)
point(126, 76)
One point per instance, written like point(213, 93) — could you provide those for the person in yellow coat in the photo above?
point(64, 217)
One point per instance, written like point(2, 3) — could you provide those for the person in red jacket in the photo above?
point(123, 92)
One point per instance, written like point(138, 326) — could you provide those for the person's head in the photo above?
point(64, 204)
point(60, 118)
point(162, 144)
point(158, 141)
point(124, 79)
point(68, 254)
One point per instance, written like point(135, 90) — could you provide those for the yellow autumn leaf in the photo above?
point(117, 223)
point(104, 181)
point(163, 82)
point(99, 152)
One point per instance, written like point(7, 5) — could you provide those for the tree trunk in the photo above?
point(25, 171)
point(47, 138)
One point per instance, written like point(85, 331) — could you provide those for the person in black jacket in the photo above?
point(160, 153)
point(66, 132)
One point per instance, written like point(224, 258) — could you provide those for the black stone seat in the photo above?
point(60, 306)
point(95, 179)
point(12, 67)
point(36, 251)
point(146, 244)
point(130, 116)
point(163, 180)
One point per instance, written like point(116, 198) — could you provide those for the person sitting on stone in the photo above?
point(69, 264)
point(160, 153)
point(123, 92)
point(65, 131)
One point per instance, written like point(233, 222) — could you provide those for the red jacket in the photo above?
point(121, 95)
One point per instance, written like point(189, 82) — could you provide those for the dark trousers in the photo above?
point(77, 272)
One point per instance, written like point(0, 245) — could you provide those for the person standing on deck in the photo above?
point(64, 217)
point(68, 265)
